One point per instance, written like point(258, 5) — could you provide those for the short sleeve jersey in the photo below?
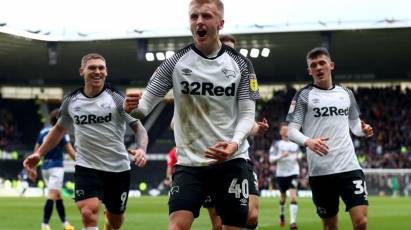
point(99, 128)
point(286, 166)
point(53, 158)
point(206, 95)
point(326, 113)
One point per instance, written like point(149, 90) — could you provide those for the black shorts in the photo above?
point(111, 188)
point(328, 189)
point(252, 179)
point(252, 183)
point(287, 182)
point(226, 183)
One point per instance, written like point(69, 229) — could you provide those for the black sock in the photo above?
point(60, 210)
point(253, 227)
point(48, 209)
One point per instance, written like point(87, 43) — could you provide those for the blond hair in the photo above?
point(218, 3)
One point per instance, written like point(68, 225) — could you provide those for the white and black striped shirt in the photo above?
point(326, 113)
point(207, 93)
point(99, 128)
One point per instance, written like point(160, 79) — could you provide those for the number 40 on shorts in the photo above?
point(238, 188)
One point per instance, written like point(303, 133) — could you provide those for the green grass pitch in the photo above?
point(151, 213)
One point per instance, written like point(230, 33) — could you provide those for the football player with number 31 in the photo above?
point(327, 113)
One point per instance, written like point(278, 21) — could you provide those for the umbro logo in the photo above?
point(321, 210)
point(77, 108)
point(174, 189)
point(244, 201)
point(316, 100)
point(208, 199)
point(186, 71)
point(80, 193)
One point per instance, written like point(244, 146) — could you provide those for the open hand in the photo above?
point(318, 145)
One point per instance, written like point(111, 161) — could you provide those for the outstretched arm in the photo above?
point(51, 141)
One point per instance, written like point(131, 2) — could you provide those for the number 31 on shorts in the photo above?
point(239, 189)
point(360, 187)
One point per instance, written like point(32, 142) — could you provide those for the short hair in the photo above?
point(228, 38)
point(318, 51)
point(90, 56)
point(54, 116)
point(218, 3)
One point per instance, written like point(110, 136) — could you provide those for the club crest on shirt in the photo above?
point(228, 73)
point(105, 105)
point(253, 83)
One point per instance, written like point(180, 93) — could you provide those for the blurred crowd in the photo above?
point(9, 134)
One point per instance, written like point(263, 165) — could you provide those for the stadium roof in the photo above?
point(75, 20)
point(359, 55)
point(368, 39)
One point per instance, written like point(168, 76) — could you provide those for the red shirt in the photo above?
point(172, 158)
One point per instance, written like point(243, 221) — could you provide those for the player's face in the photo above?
point(320, 68)
point(205, 23)
point(284, 132)
point(94, 73)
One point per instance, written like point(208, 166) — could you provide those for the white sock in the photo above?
point(293, 213)
point(91, 228)
point(43, 225)
point(65, 223)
